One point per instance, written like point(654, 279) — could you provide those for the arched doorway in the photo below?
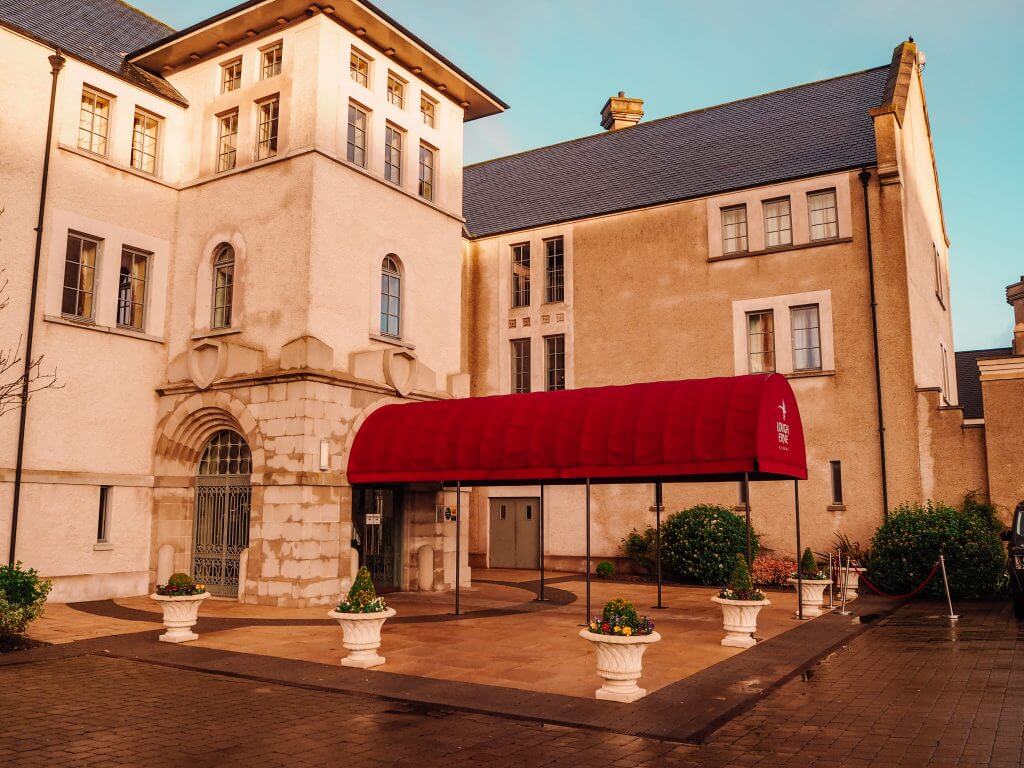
point(220, 529)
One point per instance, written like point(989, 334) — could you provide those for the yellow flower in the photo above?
point(618, 628)
point(627, 631)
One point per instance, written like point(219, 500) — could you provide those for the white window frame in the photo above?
point(276, 64)
point(350, 131)
point(523, 375)
point(550, 370)
point(782, 306)
point(272, 138)
point(227, 141)
point(391, 279)
point(427, 181)
point(233, 68)
point(139, 155)
point(95, 131)
point(429, 117)
point(360, 78)
point(92, 271)
point(136, 285)
point(228, 267)
point(793, 336)
point(945, 382)
point(390, 150)
point(828, 224)
point(769, 352)
point(740, 239)
point(782, 232)
point(396, 95)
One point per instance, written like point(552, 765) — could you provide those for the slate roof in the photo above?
point(968, 379)
point(801, 131)
point(100, 32)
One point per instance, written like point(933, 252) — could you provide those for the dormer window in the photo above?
point(396, 91)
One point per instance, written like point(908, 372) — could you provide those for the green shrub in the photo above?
point(640, 548)
point(362, 597)
point(605, 570)
point(809, 567)
point(909, 542)
point(740, 586)
point(180, 585)
point(983, 510)
point(22, 597)
point(622, 609)
point(180, 581)
point(701, 543)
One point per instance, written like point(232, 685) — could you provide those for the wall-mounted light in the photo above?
point(325, 456)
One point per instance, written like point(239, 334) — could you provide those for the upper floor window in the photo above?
point(79, 276)
point(390, 298)
point(806, 338)
point(145, 135)
point(270, 61)
point(426, 172)
point(359, 69)
point(554, 269)
point(94, 122)
point(131, 289)
point(521, 275)
point(355, 146)
point(396, 91)
point(393, 154)
point(761, 341)
point(428, 109)
point(734, 229)
point(944, 373)
point(227, 141)
point(778, 228)
point(223, 286)
point(231, 76)
point(940, 281)
point(520, 366)
point(554, 353)
point(824, 219)
point(266, 135)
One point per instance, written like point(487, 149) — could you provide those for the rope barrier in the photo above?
point(909, 594)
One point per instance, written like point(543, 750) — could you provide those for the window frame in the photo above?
point(940, 282)
point(396, 96)
point(521, 351)
point(93, 268)
point(554, 270)
point(836, 482)
point(521, 283)
point(103, 515)
point(789, 219)
point(227, 267)
point(272, 140)
point(828, 224)
point(275, 64)
point(549, 370)
point(350, 129)
point(360, 78)
point(158, 130)
point(221, 166)
point(430, 184)
point(945, 382)
point(429, 117)
point(745, 237)
point(97, 96)
point(229, 84)
point(774, 359)
point(390, 129)
point(792, 332)
point(393, 275)
point(133, 281)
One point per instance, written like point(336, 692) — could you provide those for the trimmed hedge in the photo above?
point(22, 597)
point(701, 543)
point(908, 544)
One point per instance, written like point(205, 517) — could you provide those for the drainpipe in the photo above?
point(56, 65)
point(865, 177)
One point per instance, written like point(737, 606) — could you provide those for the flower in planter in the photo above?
point(362, 597)
point(740, 587)
point(180, 585)
point(809, 568)
point(620, 618)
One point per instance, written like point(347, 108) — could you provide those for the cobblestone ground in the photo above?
point(909, 692)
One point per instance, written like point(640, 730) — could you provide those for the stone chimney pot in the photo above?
point(1015, 297)
point(621, 111)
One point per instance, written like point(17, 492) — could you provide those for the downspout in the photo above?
point(56, 65)
point(865, 177)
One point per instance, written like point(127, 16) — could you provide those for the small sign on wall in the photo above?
point(444, 513)
point(373, 518)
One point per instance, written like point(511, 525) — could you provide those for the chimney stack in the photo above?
point(621, 112)
point(1015, 298)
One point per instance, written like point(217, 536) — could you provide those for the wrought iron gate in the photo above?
point(220, 529)
point(378, 534)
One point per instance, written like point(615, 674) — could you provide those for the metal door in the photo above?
point(514, 533)
point(377, 536)
point(220, 528)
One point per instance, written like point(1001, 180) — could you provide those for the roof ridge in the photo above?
point(699, 110)
point(149, 16)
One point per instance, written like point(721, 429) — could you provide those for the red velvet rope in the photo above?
point(911, 593)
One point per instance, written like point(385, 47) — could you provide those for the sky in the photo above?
point(555, 62)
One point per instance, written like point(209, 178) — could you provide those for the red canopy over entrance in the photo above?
point(675, 431)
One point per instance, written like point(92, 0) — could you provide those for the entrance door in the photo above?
point(220, 528)
point(377, 535)
point(514, 538)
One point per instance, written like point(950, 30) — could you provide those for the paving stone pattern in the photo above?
point(909, 692)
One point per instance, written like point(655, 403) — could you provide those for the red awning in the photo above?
point(675, 431)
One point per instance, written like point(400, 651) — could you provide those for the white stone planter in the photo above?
point(812, 596)
point(361, 635)
point(620, 662)
point(739, 619)
point(180, 615)
point(852, 584)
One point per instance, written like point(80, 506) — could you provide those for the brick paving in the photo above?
point(910, 692)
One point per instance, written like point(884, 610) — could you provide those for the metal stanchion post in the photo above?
point(952, 616)
point(831, 583)
point(846, 577)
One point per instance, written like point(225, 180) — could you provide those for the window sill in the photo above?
point(780, 249)
point(102, 546)
point(91, 325)
point(807, 374)
point(836, 507)
point(740, 508)
point(215, 332)
point(392, 341)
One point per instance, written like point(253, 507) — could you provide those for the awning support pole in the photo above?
point(458, 544)
point(799, 552)
point(540, 518)
point(746, 499)
point(586, 619)
point(657, 536)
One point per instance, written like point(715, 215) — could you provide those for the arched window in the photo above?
point(223, 285)
point(390, 298)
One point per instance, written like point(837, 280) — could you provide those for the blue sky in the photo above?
point(556, 61)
